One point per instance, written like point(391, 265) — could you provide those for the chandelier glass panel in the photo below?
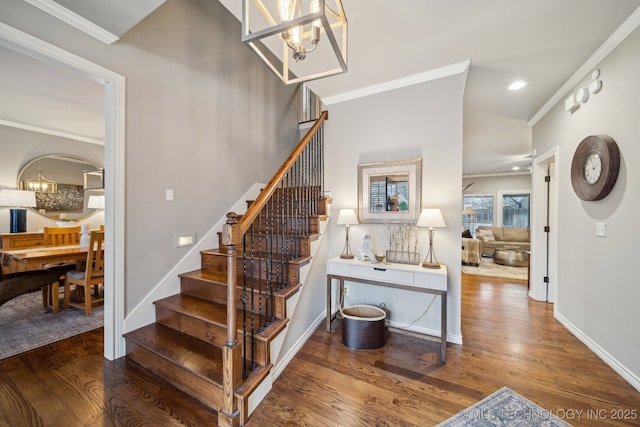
point(299, 40)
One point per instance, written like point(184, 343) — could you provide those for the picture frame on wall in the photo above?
point(390, 191)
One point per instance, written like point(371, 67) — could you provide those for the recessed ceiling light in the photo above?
point(515, 168)
point(519, 84)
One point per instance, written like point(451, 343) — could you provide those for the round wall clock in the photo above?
point(595, 167)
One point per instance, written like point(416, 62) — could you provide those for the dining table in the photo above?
point(33, 259)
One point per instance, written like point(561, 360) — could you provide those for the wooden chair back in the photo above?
point(61, 236)
point(92, 276)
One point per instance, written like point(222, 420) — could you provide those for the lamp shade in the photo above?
point(96, 202)
point(469, 211)
point(431, 218)
point(18, 198)
point(347, 217)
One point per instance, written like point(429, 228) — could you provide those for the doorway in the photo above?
point(114, 176)
point(544, 233)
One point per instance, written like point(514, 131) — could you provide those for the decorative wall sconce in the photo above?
point(573, 102)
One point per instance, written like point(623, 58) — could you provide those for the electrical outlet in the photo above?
point(346, 290)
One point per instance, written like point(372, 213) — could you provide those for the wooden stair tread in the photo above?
point(221, 278)
point(214, 313)
point(220, 252)
point(191, 354)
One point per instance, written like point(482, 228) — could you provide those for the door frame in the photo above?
point(114, 146)
point(538, 288)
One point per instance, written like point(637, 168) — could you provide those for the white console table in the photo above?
point(399, 276)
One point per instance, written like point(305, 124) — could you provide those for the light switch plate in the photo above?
point(169, 195)
point(600, 229)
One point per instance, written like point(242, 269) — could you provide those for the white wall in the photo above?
point(204, 117)
point(423, 120)
point(598, 290)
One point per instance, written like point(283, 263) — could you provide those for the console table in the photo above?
point(399, 276)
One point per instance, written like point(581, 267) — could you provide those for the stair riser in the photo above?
point(207, 393)
point(297, 246)
point(216, 292)
point(207, 332)
point(292, 225)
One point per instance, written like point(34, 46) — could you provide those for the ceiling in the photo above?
point(544, 42)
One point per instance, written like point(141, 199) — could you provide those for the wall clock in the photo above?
point(595, 167)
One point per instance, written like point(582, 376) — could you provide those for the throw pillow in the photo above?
point(487, 235)
point(467, 234)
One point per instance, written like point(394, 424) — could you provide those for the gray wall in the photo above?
point(204, 117)
point(598, 290)
point(423, 120)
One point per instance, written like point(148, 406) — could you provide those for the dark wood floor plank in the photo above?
point(509, 340)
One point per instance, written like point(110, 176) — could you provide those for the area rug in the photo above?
point(505, 408)
point(25, 324)
point(489, 268)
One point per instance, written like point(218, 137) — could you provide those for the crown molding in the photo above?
point(621, 33)
point(69, 17)
point(438, 73)
point(45, 131)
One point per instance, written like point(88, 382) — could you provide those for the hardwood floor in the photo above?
point(509, 340)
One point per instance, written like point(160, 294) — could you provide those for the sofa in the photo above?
point(492, 238)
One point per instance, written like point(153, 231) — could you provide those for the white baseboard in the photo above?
point(288, 357)
point(145, 313)
point(452, 338)
point(625, 373)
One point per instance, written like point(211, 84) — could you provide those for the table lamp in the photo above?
point(18, 200)
point(431, 218)
point(347, 217)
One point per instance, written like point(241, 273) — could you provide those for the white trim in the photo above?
point(69, 17)
point(625, 373)
point(31, 128)
point(438, 73)
point(489, 175)
point(538, 239)
point(115, 172)
point(607, 47)
point(288, 357)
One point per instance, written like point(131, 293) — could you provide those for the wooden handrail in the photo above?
point(232, 235)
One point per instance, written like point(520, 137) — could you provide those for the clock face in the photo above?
point(592, 168)
point(595, 167)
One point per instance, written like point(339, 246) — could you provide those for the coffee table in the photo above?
point(512, 257)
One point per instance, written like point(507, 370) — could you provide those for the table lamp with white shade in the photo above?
point(347, 217)
point(18, 200)
point(431, 218)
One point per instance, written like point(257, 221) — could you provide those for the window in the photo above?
point(483, 205)
point(515, 210)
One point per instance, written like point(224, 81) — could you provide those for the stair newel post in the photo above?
point(229, 415)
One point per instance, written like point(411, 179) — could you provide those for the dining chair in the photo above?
point(59, 236)
point(89, 278)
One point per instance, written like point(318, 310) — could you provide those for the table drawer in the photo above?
point(382, 274)
point(338, 269)
point(430, 281)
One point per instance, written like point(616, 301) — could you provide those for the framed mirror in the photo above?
point(59, 183)
point(390, 192)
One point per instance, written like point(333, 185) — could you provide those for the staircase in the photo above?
point(215, 339)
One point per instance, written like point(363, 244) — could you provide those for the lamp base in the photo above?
point(17, 220)
point(433, 265)
point(347, 256)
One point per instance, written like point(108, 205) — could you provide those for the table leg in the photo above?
point(328, 303)
point(443, 328)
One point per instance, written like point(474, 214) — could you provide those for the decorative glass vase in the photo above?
point(403, 257)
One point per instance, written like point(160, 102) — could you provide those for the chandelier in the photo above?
point(40, 184)
point(284, 32)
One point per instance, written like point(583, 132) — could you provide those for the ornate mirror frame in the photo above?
point(401, 177)
point(71, 200)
